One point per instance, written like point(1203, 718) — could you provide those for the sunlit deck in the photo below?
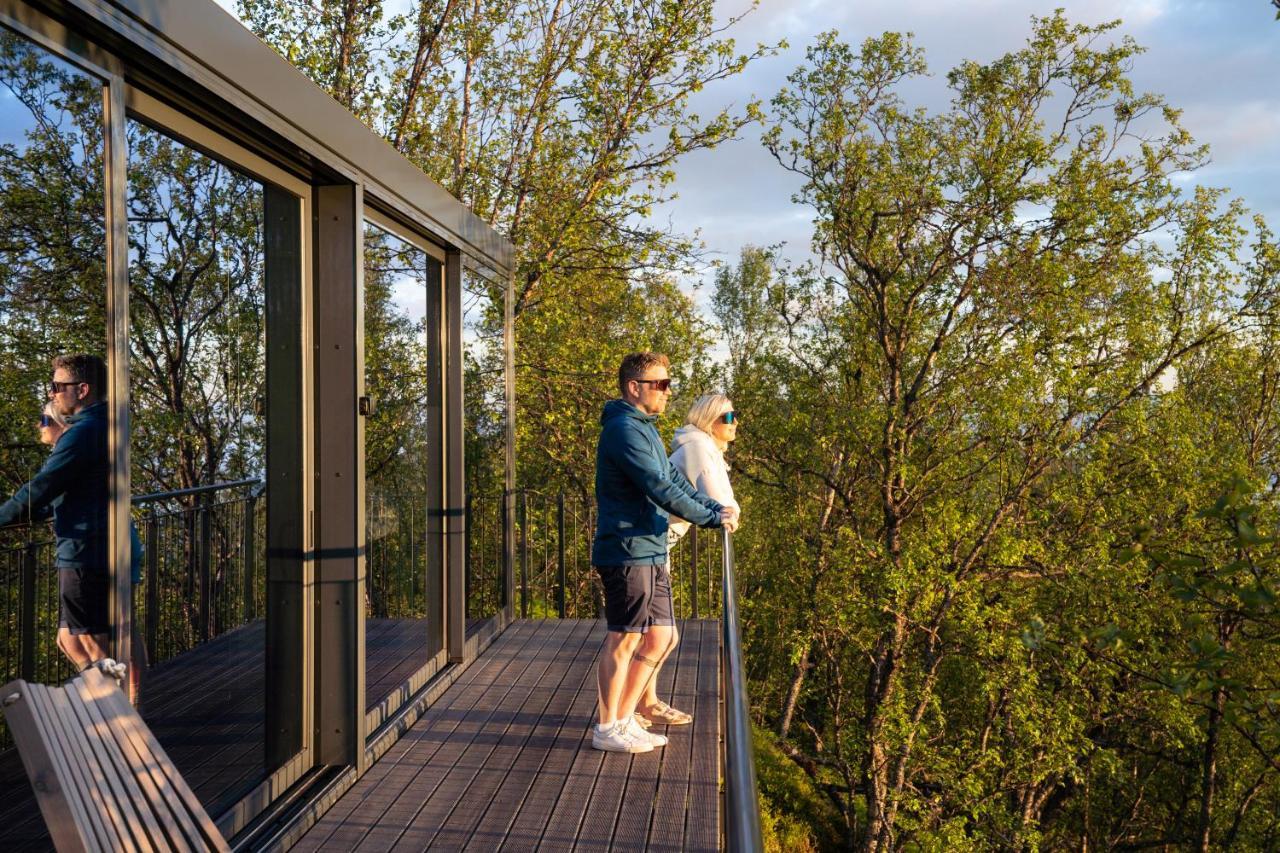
point(503, 759)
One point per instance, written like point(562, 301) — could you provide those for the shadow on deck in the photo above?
point(503, 760)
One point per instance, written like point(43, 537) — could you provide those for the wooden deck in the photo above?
point(503, 760)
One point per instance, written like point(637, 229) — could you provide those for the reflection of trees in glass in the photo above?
point(52, 235)
point(197, 313)
point(397, 378)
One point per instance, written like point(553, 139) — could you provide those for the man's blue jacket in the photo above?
point(637, 488)
point(72, 484)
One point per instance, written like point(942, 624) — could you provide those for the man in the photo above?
point(636, 489)
point(72, 485)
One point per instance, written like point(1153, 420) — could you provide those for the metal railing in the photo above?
point(553, 573)
point(201, 576)
point(203, 570)
point(742, 806)
point(486, 526)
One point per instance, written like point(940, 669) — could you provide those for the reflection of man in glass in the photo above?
point(72, 485)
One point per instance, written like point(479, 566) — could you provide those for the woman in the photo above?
point(697, 450)
point(52, 424)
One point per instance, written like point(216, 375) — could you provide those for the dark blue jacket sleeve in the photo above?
point(634, 456)
point(53, 478)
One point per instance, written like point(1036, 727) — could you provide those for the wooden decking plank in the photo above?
point(167, 688)
point(380, 786)
point(666, 829)
point(531, 767)
point(384, 782)
point(545, 707)
point(702, 828)
point(537, 810)
point(442, 822)
point(504, 758)
point(603, 820)
point(405, 819)
point(580, 795)
point(640, 796)
point(385, 644)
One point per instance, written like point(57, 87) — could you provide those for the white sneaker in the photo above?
point(618, 738)
point(110, 668)
point(639, 732)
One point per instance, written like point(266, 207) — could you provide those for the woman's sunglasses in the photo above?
point(729, 417)
point(46, 421)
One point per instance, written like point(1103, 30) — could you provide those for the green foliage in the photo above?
point(52, 238)
point(561, 124)
point(1019, 343)
point(795, 814)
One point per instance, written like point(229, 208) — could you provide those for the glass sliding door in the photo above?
point(202, 243)
point(55, 573)
point(404, 628)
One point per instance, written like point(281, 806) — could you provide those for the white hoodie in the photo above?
point(696, 455)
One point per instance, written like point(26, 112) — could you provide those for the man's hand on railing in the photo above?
point(729, 518)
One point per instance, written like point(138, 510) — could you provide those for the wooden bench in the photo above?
point(102, 780)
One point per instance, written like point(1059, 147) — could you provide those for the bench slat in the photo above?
point(85, 762)
point(78, 777)
point(183, 802)
point(127, 799)
point(69, 826)
point(180, 832)
point(101, 778)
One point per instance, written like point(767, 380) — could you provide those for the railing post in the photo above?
point(524, 554)
point(466, 559)
point(153, 585)
point(693, 570)
point(27, 629)
point(206, 571)
point(742, 810)
point(560, 569)
point(248, 541)
point(505, 566)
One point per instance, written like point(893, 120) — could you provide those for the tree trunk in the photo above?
point(1209, 768)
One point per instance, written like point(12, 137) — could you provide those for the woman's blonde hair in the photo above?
point(54, 415)
point(705, 411)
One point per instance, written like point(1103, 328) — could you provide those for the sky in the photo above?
point(1217, 60)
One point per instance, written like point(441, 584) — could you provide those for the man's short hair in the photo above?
point(85, 368)
point(637, 364)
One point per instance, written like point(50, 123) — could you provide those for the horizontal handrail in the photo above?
point(742, 807)
point(194, 490)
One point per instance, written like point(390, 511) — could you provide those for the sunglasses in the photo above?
point(658, 384)
point(59, 387)
point(46, 421)
point(729, 417)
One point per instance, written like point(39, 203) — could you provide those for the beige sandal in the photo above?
point(643, 721)
point(661, 712)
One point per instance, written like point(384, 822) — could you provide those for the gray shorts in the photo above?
point(636, 597)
